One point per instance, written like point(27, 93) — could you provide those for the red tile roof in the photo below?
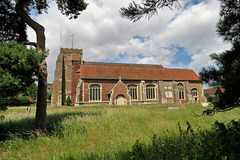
point(124, 64)
point(213, 91)
point(135, 73)
point(210, 91)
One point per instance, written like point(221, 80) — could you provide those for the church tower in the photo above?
point(62, 84)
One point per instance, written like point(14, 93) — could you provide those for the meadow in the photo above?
point(109, 132)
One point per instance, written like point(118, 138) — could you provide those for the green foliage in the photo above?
point(229, 23)
point(15, 101)
point(68, 101)
point(137, 151)
point(22, 101)
point(18, 68)
point(110, 132)
point(49, 96)
point(222, 142)
point(148, 8)
point(228, 63)
point(212, 99)
point(71, 8)
point(31, 91)
point(12, 27)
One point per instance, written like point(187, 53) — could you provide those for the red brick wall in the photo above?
point(121, 89)
point(74, 79)
point(107, 86)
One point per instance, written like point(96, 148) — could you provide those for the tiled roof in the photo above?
point(210, 91)
point(135, 73)
point(124, 64)
point(213, 91)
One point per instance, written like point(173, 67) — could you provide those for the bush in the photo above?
point(222, 142)
point(68, 101)
point(49, 96)
point(212, 99)
point(14, 101)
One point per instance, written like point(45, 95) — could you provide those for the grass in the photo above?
point(96, 132)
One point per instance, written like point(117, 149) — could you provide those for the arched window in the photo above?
point(132, 90)
point(151, 91)
point(168, 91)
point(194, 92)
point(181, 94)
point(95, 92)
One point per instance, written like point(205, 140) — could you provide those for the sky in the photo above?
point(179, 38)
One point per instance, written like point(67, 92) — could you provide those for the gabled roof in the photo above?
point(120, 81)
point(135, 73)
point(124, 64)
point(214, 90)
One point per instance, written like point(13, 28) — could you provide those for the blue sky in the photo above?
point(179, 38)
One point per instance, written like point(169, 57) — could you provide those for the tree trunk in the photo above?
point(40, 119)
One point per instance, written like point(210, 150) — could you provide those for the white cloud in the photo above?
point(104, 35)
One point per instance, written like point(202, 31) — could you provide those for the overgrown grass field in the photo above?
point(98, 132)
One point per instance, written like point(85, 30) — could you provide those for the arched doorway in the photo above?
point(120, 100)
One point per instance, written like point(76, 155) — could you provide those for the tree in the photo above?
point(49, 96)
point(70, 8)
point(227, 71)
point(68, 101)
point(31, 91)
point(12, 26)
point(18, 70)
point(148, 8)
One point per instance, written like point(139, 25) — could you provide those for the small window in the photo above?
point(169, 94)
point(151, 91)
point(181, 94)
point(95, 92)
point(132, 90)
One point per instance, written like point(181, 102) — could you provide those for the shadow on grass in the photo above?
point(24, 127)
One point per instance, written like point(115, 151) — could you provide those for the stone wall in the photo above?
point(109, 97)
point(67, 82)
point(64, 75)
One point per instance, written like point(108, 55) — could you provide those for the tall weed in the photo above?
point(222, 142)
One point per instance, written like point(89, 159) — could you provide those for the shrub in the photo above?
point(49, 96)
point(68, 101)
point(222, 142)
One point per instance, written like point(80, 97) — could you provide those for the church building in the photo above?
point(93, 83)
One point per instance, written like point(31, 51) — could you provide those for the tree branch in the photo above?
point(148, 8)
point(39, 29)
point(31, 44)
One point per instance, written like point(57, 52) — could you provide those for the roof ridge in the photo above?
point(135, 66)
point(124, 63)
point(122, 66)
